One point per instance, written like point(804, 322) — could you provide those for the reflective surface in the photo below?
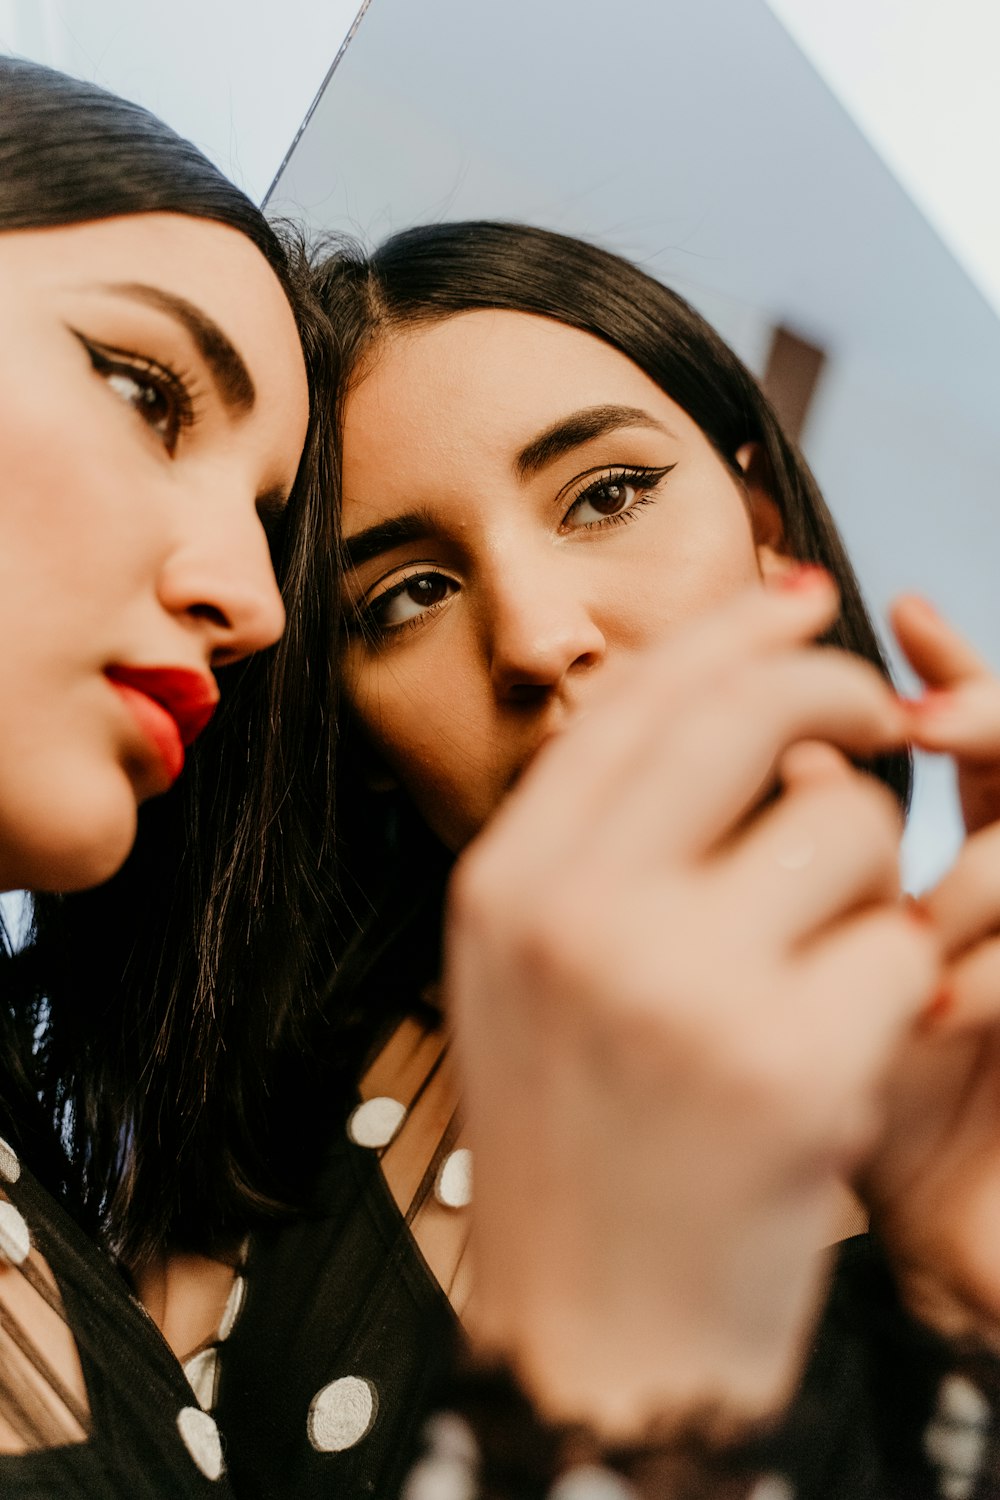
point(699, 141)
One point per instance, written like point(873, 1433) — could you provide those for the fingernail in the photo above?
point(937, 1009)
point(933, 701)
point(918, 910)
point(801, 579)
point(924, 604)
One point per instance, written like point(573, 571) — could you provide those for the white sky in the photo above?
point(235, 76)
point(920, 78)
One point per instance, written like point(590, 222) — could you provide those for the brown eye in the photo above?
point(430, 589)
point(609, 497)
point(152, 404)
point(613, 496)
point(410, 599)
point(157, 395)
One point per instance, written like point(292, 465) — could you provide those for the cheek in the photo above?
point(436, 741)
point(679, 578)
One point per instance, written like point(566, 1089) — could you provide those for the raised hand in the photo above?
point(959, 713)
point(934, 1184)
point(677, 965)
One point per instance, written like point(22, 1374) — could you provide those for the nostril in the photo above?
point(210, 613)
point(531, 694)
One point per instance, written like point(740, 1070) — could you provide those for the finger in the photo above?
point(575, 773)
point(701, 775)
point(962, 721)
point(825, 849)
point(965, 904)
point(936, 651)
point(810, 762)
point(970, 993)
point(869, 980)
point(960, 712)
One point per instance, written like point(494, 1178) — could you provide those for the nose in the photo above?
point(539, 637)
point(222, 583)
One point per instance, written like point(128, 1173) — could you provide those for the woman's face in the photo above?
point(523, 507)
point(153, 406)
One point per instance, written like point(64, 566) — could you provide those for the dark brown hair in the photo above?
point(395, 880)
point(149, 1029)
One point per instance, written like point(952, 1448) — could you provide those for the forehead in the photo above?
point(209, 264)
point(483, 384)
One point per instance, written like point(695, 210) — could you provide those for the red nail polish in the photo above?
point(918, 910)
point(933, 701)
point(937, 1009)
point(800, 579)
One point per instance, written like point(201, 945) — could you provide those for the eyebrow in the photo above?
point(412, 526)
point(580, 427)
point(229, 373)
point(564, 435)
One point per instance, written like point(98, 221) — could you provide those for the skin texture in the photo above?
point(125, 539)
point(676, 960)
point(536, 603)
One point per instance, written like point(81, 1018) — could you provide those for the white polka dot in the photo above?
point(375, 1122)
point(453, 1187)
point(15, 1239)
point(591, 1482)
point(10, 1167)
point(448, 1435)
point(962, 1402)
point(201, 1371)
point(233, 1308)
point(772, 1487)
point(440, 1479)
point(341, 1414)
point(201, 1439)
point(956, 1487)
point(959, 1451)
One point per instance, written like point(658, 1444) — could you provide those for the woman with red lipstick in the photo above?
point(160, 460)
point(677, 964)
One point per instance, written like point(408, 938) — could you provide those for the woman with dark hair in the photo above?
point(162, 459)
point(584, 578)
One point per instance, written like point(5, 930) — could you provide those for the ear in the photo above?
point(766, 520)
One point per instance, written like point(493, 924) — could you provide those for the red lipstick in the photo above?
point(172, 705)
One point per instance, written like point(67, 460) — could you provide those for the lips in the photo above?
point(171, 705)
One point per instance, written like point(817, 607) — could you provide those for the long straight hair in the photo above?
point(149, 1029)
point(392, 871)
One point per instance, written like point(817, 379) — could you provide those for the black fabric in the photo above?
point(135, 1387)
point(343, 1291)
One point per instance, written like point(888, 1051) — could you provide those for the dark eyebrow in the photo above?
point(569, 432)
point(413, 526)
point(230, 374)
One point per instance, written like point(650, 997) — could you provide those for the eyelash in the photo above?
point(642, 478)
point(148, 375)
point(362, 619)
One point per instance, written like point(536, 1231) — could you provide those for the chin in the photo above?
point(73, 847)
